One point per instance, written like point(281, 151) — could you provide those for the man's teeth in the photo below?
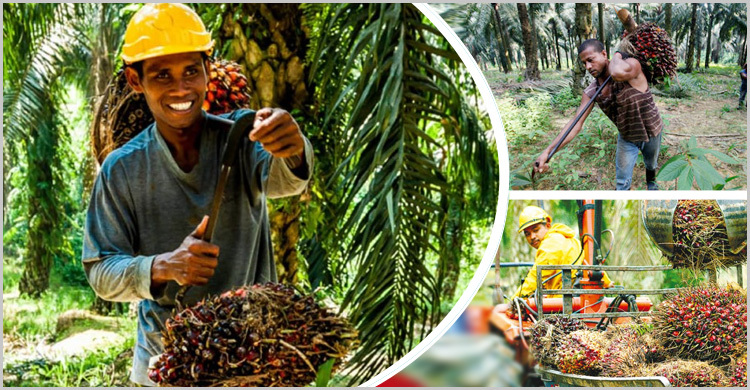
point(181, 106)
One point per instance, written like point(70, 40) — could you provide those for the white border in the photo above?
point(502, 200)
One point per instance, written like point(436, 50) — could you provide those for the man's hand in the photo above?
point(278, 132)
point(193, 263)
point(540, 165)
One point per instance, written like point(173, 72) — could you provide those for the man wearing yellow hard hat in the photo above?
point(555, 244)
point(147, 215)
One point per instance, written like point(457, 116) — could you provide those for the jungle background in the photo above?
point(391, 229)
point(529, 57)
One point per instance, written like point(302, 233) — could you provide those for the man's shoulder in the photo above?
point(591, 88)
point(555, 241)
point(131, 154)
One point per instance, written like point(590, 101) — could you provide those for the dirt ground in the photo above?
point(711, 116)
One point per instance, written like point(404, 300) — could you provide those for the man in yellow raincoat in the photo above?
point(555, 244)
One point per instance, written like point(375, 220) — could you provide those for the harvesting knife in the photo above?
point(240, 128)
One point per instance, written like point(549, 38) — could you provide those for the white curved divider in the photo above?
point(500, 211)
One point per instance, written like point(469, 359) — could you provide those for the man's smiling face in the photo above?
point(174, 87)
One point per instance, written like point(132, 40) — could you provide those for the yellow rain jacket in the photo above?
point(559, 247)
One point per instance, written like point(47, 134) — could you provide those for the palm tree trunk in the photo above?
point(542, 54)
point(505, 35)
point(529, 44)
point(571, 50)
point(668, 19)
point(600, 8)
point(743, 54)
point(637, 12)
point(274, 64)
point(557, 46)
point(503, 49)
point(285, 229)
point(44, 211)
point(699, 33)
point(449, 268)
point(712, 11)
point(691, 40)
point(583, 31)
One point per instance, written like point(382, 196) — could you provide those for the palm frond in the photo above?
point(390, 75)
point(27, 91)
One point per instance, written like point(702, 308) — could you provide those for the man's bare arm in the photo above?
point(541, 162)
point(628, 69)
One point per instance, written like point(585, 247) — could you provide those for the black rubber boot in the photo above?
point(651, 180)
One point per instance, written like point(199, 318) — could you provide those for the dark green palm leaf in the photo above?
point(393, 78)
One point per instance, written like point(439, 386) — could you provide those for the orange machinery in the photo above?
point(587, 302)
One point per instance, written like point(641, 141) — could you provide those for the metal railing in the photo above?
point(568, 291)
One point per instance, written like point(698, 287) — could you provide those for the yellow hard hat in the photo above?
point(532, 215)
point(162, 29)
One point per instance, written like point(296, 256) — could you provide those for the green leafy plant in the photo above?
point(683, 86)
point(565, 99)
point(692, 166)
point(324, 373)
point(519, 178)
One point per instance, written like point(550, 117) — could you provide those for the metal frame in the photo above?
point(568, 291)
point(567, 380)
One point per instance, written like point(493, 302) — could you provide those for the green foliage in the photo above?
point(32, 318)
point(678, 278)
point(324, 373)
point(565, 99)
point(404, 145)
point(528, 121)
point(106, 367)
point(693, 165)
point(52, 56)
point(683, 87)
point(522, 124)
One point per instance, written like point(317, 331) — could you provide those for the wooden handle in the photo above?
point(626, 19)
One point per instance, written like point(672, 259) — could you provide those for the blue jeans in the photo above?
point(627, 154)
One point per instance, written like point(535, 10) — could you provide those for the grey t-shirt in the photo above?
point(143, 205)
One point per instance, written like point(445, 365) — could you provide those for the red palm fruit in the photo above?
point(709, 338)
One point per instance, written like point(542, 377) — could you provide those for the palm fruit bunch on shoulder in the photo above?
point(123, 113)
point(260, 335)
point(228, 89)
point(707, 323)
point(689, 373)
point(581, 352)
point(653, 49)
point(547, 335)
point(737, 372)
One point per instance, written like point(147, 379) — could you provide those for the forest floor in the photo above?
point(706, 107)
point(54, 340)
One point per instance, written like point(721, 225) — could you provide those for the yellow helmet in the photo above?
point(532, 215)
point(162, 29)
